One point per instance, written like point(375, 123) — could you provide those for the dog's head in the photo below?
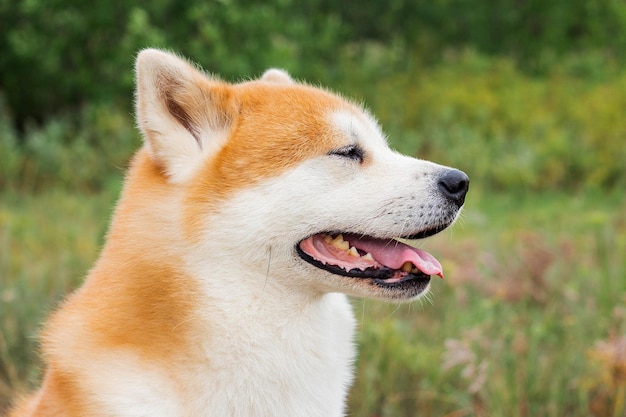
point(289, 183)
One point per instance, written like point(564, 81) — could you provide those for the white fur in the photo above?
point(124, 385)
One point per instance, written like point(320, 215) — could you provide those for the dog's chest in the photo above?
point(299, 366)
point(292, 366)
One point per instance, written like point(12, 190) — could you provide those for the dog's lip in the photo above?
point(383, 276)
point(424, 233)
point(377, 258)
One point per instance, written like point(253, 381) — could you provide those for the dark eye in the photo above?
point(351, 152)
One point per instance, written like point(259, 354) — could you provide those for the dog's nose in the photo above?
point(454, 185)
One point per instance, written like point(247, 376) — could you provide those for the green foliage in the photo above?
point(449, 79)
point(530, 32)
point(60, 54)
point(506, 129)
point(81, 151)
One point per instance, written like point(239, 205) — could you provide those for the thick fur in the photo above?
point(199, 304)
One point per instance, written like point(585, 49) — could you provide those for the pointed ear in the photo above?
point(183, 114)
point(278, 76)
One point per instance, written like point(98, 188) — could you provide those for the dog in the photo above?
point(248, 216)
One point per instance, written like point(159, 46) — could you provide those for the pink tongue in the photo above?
point(394, 254)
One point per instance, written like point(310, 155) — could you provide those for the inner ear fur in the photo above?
point(277, 76)
point(181, 112)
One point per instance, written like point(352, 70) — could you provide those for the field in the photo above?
point(531, 317)
point(528, 98)
point(529, 320)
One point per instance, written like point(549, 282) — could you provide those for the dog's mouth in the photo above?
point(388, 262)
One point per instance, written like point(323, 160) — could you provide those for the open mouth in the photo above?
point(388, 262)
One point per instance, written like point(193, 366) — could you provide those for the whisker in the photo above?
point(269, 263)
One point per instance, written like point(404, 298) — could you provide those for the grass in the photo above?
point(48, 242)
point(529, 321)
point(534, 292)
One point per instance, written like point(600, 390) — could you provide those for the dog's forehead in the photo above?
point(357, 124)
point(331, 118)
point(312, 119)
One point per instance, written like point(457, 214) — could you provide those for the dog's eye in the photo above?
point(351, 152)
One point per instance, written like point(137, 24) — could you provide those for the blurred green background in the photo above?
point(527, 96)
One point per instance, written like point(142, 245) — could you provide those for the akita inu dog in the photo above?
point(248, 215)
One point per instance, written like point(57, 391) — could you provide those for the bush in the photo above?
point(58, 55)
point(508, 129)
point(83, 155)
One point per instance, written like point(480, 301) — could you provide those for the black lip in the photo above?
point(427, 232)
point(377, 275)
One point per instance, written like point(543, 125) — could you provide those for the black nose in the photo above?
point(454, 185)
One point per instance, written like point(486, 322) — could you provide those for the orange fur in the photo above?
point(57, 397)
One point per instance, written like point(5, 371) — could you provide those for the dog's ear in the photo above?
point(278, 76)
point(183, 114)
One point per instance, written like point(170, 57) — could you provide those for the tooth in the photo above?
point(328, 239)
point(339, 243)
point(353, 252)
point(368, 257)
point(407, 266)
